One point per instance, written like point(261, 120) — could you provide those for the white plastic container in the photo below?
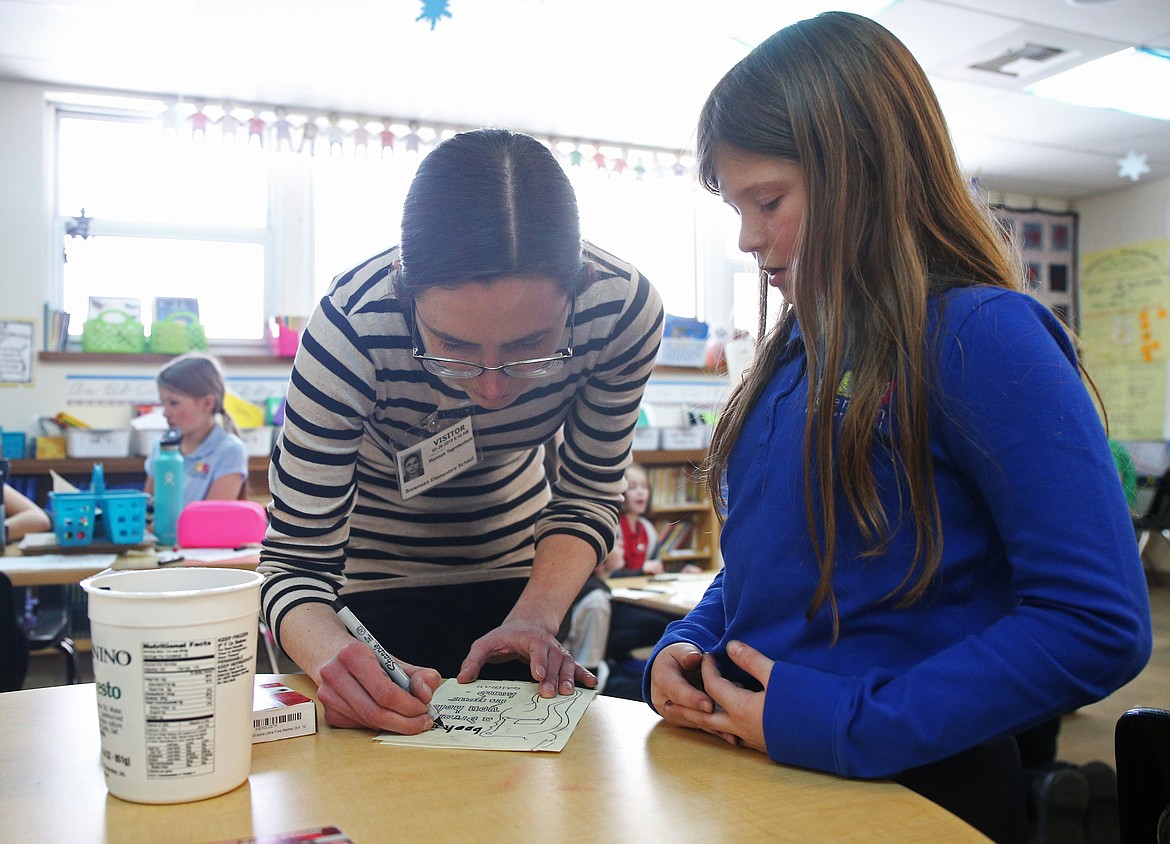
point(142, 440)
point(174, 657)
point(647, 439)
point(684, 439)
point(258, 441)
point(94, 442)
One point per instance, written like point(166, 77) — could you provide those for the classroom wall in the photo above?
point(1132, 214)
point(1128, 215)
point(24, 241)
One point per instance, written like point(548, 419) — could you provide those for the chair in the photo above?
point(1156, 518)
point(1142, 748)
point(13, 642)
point(44, 618)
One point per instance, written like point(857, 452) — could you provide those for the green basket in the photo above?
point(113, 331)
point(180, 332)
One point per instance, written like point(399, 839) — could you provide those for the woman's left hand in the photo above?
point(739, 713)
point(551, 663)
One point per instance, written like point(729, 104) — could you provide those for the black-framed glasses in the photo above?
point(454, 368)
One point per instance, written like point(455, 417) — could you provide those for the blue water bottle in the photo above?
point(97, 481)
point(168, 488)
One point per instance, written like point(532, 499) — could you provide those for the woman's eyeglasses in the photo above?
point(452, 368)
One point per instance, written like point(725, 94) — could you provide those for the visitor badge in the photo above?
point(436, 458)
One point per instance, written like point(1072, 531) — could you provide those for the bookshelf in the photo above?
point(688, 529)
point(120, 471)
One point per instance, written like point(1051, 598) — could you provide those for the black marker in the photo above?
point(389, 664)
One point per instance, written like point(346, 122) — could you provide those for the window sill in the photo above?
point(90, 357)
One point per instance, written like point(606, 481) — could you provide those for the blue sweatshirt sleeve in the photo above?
point(702, 627)
point(1016, 429)
point(1019, 422)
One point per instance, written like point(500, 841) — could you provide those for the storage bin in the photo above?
point(180, 332)
point(258, 441)
point(12, 443)
point(284, 341)
point(123, 517)
point(114, 331)
point(76, 520)
point(92, 442)
point(683, 351)
point(74, 517)
point(142, 440)
point(647, 439)
point(679, 439)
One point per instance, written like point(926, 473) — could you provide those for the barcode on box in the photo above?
point(275, 719)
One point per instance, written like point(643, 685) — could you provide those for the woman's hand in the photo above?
point(723, 708)
point(653, 567)
point(551, 663)
point(356, 692)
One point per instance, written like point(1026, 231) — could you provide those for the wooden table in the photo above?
point(625, 775)
point(674, 594)
point(53, 569)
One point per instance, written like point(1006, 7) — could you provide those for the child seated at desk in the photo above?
point(22, 516)
point(215, 461)
point(638, 535)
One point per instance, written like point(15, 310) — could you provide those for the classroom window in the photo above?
point(252, 229)
point(163, 216)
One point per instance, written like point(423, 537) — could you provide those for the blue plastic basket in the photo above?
point(124, 516)
point(12, 444)
point(74, 517)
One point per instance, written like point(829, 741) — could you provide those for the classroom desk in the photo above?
point(624, 776)
point(53, 569)
point(673, 595)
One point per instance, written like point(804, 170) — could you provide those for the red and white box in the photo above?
point(279, 712)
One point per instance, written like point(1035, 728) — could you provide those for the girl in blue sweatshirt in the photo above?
point(926, 541)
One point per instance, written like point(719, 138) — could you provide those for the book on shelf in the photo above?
point(279, 712)
point(56, 329)
point(128, 305)
point(675, 537)
point(164, 306)
point(673, 486)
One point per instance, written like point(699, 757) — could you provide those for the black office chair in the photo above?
point(13, 642)
point(1156, 518)
point(44, 618)
point(1142, 748)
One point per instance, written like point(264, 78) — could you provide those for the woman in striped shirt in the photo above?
point(464, 350)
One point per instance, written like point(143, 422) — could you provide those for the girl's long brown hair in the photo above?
point(889, 222)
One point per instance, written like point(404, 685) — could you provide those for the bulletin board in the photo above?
point(1125, 333)
point(16, 351)
point(1047, 241)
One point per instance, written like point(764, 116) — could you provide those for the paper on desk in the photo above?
point(60, 484)
point(500, 715)
point(66, 561)
point(214, 555)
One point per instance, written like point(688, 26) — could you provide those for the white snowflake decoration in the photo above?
point(1133, 166)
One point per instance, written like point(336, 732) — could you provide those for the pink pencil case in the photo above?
point(221, 524)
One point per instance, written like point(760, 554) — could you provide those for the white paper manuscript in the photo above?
point(500, 715)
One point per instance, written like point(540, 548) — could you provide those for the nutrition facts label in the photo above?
point(179, 680)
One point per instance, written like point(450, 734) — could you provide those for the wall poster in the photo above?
point(1047, 241)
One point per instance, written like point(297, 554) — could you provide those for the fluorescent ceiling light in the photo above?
point(1135, 80)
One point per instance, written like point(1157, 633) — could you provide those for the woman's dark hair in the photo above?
point(489, 204)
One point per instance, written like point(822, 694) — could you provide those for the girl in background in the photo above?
point(927, 549)
point(639, 537)
point(215, 461)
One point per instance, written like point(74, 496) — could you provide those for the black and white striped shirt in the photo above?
point(355, 396)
